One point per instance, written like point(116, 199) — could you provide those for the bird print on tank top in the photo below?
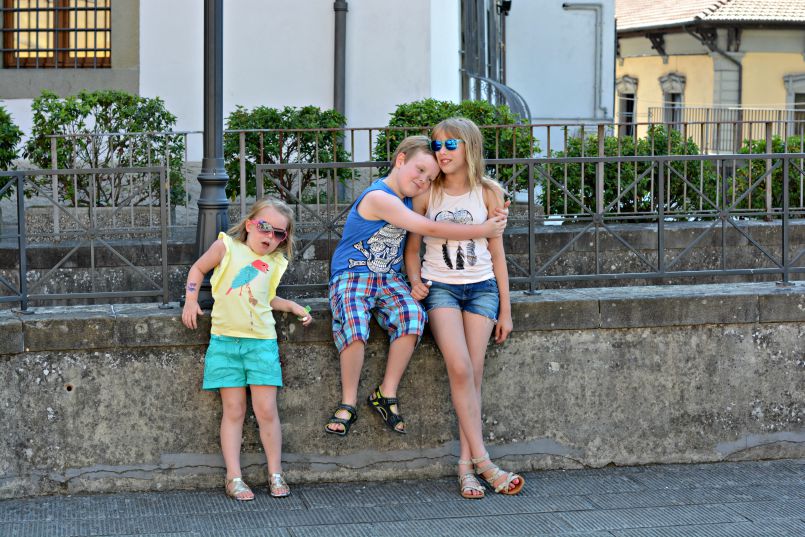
point(467, 254)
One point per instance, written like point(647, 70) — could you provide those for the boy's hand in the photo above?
point(494, 227)
point(420, 290)
point(189, 313)
point(503, 211)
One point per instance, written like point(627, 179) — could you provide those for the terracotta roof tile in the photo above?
point(637, 14)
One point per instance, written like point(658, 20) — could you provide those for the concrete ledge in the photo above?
point(101, 398)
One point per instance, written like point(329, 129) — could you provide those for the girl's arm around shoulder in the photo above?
point(283, 304)
point(208, 261)
point(382, 206)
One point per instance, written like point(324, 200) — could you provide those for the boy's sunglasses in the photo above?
point(264, 227)
point(450, 144)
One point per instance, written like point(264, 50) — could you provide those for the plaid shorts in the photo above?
point(353, 295)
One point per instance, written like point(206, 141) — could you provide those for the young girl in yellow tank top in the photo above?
point(248, 262)
point(464, 286)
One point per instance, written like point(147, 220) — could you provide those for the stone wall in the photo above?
point(103, 398)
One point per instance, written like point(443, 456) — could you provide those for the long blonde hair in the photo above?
point(467, 131)
point(238, 231)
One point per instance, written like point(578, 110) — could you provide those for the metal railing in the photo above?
point(87, 235)
point(724, 129)
point(721, 210)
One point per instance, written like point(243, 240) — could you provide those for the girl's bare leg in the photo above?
point(264, 402)
point(477, 331)
point(233, 401)
point(445, 323)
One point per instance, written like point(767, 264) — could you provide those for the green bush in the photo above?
point(510, 142)
point(10, 136)
point(747, 172)
point(618, 179)
point(282, 140)
point(107, 111)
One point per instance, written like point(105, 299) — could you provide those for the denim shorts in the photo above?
point(481, 297)
point(236, 362)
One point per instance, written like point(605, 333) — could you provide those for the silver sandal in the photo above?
point(277, 486)
point(468, 484)
point(236, 486)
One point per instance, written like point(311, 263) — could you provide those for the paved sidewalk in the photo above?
point(709, 500)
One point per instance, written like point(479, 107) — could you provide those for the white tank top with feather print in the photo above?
point(457, 262)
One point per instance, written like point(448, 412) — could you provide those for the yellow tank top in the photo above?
point(243, 285)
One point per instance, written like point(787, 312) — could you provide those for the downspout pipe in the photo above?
point(598, 8)
point(339, 61)
point(712, 45)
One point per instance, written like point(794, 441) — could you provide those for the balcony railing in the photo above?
point(724, 129)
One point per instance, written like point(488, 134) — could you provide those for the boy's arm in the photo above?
point(381, 206)
point(494, 201)
point(413, 264)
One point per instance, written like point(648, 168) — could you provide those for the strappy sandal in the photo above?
point(236, 486)
point(505, 486)
point(277, 486)
point(383, 407)
point(346, 422)
point(468, 484)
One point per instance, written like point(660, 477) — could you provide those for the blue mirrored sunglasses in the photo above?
point(450, 144)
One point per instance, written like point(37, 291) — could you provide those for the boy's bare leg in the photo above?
point(351, 359)
point(400, 352)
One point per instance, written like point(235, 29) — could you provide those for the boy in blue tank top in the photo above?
point(365, 278)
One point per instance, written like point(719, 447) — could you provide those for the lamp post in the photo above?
point(212, 204)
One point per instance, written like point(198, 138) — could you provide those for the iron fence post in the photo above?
point(769, 148)
point(242, 160)
point(163, 220)
point(785, 216)
point(54, 181)
point(23, 245)
point(531, 229)
point(661, 218)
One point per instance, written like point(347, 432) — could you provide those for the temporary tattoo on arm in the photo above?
point(191, 287)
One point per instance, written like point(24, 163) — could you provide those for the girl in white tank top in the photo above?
point(464, 286)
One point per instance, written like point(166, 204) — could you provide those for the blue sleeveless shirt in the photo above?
point(372, 246)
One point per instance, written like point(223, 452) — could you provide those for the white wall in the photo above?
point(551, 58)
point(445, 50)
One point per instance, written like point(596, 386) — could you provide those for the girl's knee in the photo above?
point(234, 411)
point(265, 411)
point(461, 371)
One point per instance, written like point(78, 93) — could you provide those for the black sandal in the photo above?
point(347, 423)
point(383, 407)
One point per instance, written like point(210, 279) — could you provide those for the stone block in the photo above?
point(74, 327)
point(678, 311)
point(11, 340)
point(783, 304)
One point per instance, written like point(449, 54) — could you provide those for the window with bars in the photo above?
point(57, 33)
point(627, 113)
point(799, 113)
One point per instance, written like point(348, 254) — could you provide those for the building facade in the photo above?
point(559, 57)
point(707, 60)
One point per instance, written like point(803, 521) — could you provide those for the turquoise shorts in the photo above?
point(237, 362)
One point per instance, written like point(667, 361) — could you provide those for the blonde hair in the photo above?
point(411, 145)
point(238, 231)
point(467, 131)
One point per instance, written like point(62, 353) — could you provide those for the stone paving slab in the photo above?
point(744, 499)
